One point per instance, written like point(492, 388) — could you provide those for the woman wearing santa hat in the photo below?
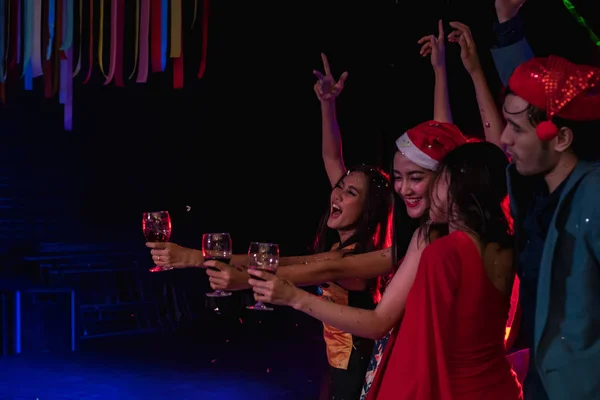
point(452, 295)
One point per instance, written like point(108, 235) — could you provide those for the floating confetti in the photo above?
point(268, 370)
point(241, 322)
point(227, 341)
point(188, 208)
point(213, 361)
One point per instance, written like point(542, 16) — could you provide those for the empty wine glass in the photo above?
point(157, 228)
point(264, 257)
point(217, 246)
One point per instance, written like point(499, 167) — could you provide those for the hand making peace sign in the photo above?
point(326, 87)
point(435, 46)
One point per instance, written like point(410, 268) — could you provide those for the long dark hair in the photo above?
point(373, 228)
point(477, 189)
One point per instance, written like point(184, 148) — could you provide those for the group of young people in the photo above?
point(439, 237)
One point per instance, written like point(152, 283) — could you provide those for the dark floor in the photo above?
point(235, 361)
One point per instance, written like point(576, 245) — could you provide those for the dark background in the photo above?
point(241, 147)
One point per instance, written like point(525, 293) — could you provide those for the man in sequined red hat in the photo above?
point(552, 109)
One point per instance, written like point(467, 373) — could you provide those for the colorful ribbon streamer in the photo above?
point(176, 43)
point(136, 43)
point(582, 22)
point(68, 112)
point(120, 40)
point(36, 48)
point(28, 72)
point(65, 72)
point(113, 41)
point(175, 28)
point(51, 22)
point(195, 14)
point(47, 62)
point(18, 47)
point(205, 11)
point(156, 35)
point(142, 75)
point(101, 40)
point(78, 67)
point(2, 16)
point(70, 21)
point(91, 44)
point(164, 35)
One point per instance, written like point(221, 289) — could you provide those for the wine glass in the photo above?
point(217, 246)
point(264, 257)
point(157, 228)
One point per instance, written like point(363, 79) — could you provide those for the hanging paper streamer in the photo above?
point(68, 116)
point(65, 72)
point(69, 19)
point(164, 35)
point(205, 11)
point(91, 44)
point(13, 7)
point(582, 22)
point(136, 43)
point(120, 40)
point(51, 22)
point(46, 62)
point(36, 52)
point(101, 40)
point(78, 67)
point(175, 28)
point(156, 34)
point(2, 17)
point(18, 16)
point(113, 41)
point(6, 50)
point(28, 73)
point(58, 35)
point(142, 75)
point(195, 14)
point(176, 43)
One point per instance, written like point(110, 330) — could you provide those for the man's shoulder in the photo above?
point(589, 186)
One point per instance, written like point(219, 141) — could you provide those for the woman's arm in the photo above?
point(488, 110)
point(365, 323)
point(361, 266)
point(435, 46)
point(327, 89)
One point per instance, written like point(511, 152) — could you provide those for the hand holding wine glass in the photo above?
point(263, 258)
point(269, 288)
point(218, 247)
point(157, 228)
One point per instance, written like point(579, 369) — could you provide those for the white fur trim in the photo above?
point(414, 154)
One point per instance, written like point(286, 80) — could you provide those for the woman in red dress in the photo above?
point(451, 341)
point(450, 344)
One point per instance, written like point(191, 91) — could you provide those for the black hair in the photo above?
point(477, 189)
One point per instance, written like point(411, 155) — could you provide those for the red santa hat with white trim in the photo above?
point(428, 143)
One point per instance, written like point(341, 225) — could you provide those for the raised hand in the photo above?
point(326, 87)
point(435, 46)
point(468, 52)
point(507, 9)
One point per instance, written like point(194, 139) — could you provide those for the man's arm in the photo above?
point(511, 48)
